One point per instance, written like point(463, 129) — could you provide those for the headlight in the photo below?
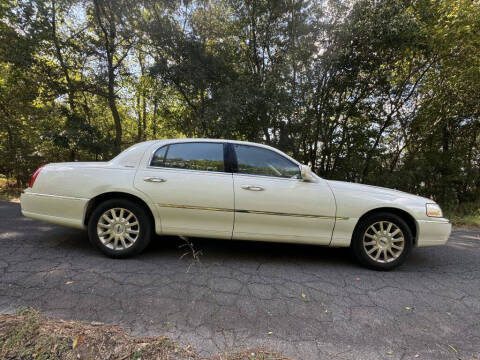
point(434, 210)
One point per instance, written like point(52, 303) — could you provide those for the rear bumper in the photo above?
point(433, 232)
point(61, 210)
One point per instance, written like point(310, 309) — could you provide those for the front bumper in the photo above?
point(433, 232)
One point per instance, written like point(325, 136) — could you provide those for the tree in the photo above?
point(112, 42)
point(382, 92)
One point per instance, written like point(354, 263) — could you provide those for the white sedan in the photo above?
point(229, 190)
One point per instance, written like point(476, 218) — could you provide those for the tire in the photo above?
point(134, 229)
point(375, 237)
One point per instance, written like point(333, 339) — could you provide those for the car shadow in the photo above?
point(205, 250)
point(213, 251)
point(208, 250)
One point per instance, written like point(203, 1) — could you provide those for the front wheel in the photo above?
point(382, 241)
point(119, 228)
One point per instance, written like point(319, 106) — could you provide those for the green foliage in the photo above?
point(381, 92)
point(464, 214)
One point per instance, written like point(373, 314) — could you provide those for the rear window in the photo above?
point(190, 156)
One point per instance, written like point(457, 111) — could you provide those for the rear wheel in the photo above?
point(120, 228)
point(382, 241)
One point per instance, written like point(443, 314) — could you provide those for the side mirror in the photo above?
point(306, 173)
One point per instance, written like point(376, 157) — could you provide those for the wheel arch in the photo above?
point(95, 201)
point(408, 218)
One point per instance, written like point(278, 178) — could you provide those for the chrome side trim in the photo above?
point(191, 207)
point(446, 221)
point(258, 212)
point(189, 170)
point(267, 177)
point(56, 196)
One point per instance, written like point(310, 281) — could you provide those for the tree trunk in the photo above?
point(109, 36)
point(61, 60)
point(143, 94)
point(139, 119)
point(116, 116)
point(366, 168)
point(154, 119)
point(144, 115)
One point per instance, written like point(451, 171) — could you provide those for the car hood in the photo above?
point(354, 187)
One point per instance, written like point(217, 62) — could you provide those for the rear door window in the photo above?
point(191, 156)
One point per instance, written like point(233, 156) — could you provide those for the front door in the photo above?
point(189, 184)
point(273, 203)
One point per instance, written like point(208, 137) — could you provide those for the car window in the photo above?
point(158, 158)
point(192, 156)
point(258, 161)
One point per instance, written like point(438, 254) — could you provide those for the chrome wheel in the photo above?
point(118, 228)
point(383, 241)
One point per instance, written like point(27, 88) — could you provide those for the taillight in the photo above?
point(34, 176)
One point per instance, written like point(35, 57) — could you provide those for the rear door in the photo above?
point(273, 203)
point(189, 184)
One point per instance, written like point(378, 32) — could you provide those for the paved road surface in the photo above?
point(306, 302)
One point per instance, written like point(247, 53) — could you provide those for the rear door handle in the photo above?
point(252, 187)
point(154, 179)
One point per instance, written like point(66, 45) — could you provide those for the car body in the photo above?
point(234, 190)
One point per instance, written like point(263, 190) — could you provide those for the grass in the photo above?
point(467, 220)
point(464, 214)
point(28, 335)
point(16, 341)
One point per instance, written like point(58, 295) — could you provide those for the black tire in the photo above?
point(359, 251)
point(145, 228)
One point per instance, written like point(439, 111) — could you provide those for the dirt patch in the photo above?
point(29, 335)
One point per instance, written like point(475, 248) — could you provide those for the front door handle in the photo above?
point(154, 179)
point(252, 187)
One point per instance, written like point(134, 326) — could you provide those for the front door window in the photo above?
point(254, 160)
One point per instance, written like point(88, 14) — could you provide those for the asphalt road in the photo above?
point(303, 301)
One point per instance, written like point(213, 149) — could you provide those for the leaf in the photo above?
point(69, 283)
point(389, 352)
point(304, 296)
point(270, 333)
point(451, 347)
point(408, 308)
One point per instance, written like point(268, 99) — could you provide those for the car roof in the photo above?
point(204, 140)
